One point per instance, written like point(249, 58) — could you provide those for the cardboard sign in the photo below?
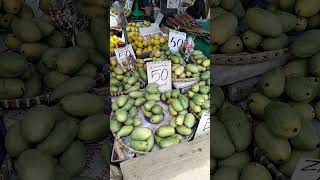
point(176, 39)
point(204, 125)
point(160, 72)
point(148, 32)
point(113, 20)
point(122, 55)
point(308, 169)
point(173, 4)
point(129, 4)
point(159, 18)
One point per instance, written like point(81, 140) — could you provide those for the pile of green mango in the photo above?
point(287, 101)
point(182, 70)
point(49, 141)
point(266, 28)
point(122, 80)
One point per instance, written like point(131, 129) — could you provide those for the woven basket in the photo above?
point(249, 58)
point(25, 103)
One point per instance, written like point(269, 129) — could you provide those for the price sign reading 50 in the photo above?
point(160, 72)
point(176, 39)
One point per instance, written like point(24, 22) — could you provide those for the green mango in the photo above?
point(232, 45)
point(195, 108)
point(141, 134)
point(228, 4)
point(257, 102)
point(139, 102)
point(272, 83)
point(314, 22)
point(165, 131)
point(33, 33)
point(189, 120)
point(155, 119)
point(150, 142)
point(287, 5)
point(217, 99)
point(115, 126)
point(121, 115)
point(237, 160)
point(184, 130)
point(136, 94)
point(133, 111)
point(122, 100)
point(276, 149)
point(152, 88)
point(125, 131)
point(32, 164)
point(77, 84)
point(307, 8)
point(307, 44)
point(252, 170)
point(149, 105)
point(251, 39)
point(56, 40)
point(153, 97)
point(169, 141)
point(12, 65)
point(85, 40)
point(184, 101)
point(139, 145)
point(73, 159)
point(100, 34)
point(305, 111)
point(307, 139)
point(198, 99)
point(275, 43)
point(296, 68)
point(71, 60)
point(26, 12)
point(12, 42)
point(220, 143)
point(73, 104)
point(53, 79)
point(88, 70)
point(45, 120)
point(263, 22)
point(301, 88)
point(314, 65)
point(60, 138)
point(137, 122)
point(157, 109)
point(128, 122)
point(282, 120)
point(50, 56)
point(239, 128)
point(172, 111)
point(11, 88)
point(12, 6)
point(61, 173)
point(225, 173)
point(45, 27)
point(14, 142)
point(223, 27)
point(176, 105)
point(179, 120)
point(175, 93)
point(93, 128)
point(287, 20)
point(289, 166)
point(33, 51)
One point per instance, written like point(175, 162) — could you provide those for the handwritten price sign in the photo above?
point(160, 72)
point(173, 4)
point(122, 55)
point(159, 18)
point(129, 4)
point(308, 169)
point(204, 125)
point(176, 39)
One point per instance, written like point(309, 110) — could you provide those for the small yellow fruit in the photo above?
point(162, 40)
point(156, 36)
point(140, 39)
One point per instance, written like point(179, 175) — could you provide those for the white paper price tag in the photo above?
point(149, 31)
point(173, 4)
point(176, 39)
point(308, 169)
point(204, 125)
point(159, 18)
point(160, 72)
point(113, 20)
point(129, 4)
point(122, 55)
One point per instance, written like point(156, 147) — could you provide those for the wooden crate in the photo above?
point(187, 161)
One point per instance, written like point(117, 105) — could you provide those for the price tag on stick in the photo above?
point(173, 4)
point(159, 18)
point(176, 39)
point(308, 169)
point(204, 125)
point(160, 72)
point(129, 4)
point(123, 54)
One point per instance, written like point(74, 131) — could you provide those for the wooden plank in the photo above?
point(187, 161)
point(228, 74)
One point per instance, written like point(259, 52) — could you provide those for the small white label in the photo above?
point(160, 72)
point(129, 4)
point(113, 20)
point(159, 18)
point(308, 169)
point(204, 125)
point(148, 32)
point(122, 55)
point(176, 39)
point(173, 4)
